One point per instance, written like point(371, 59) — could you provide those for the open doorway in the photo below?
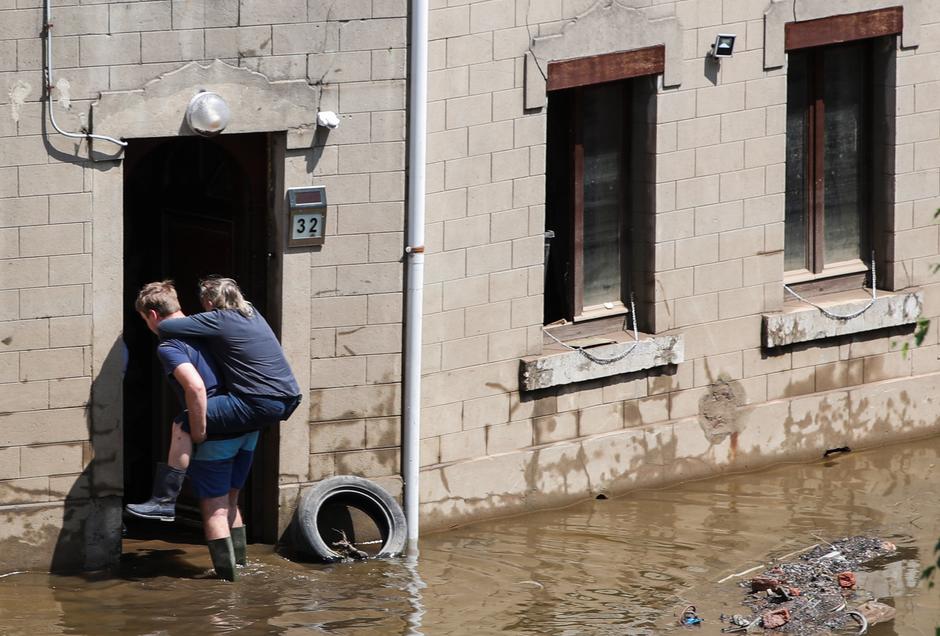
point(194, 207)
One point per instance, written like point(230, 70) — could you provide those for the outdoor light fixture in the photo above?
point(207, 114)
point(724, 45)
point(327, 119)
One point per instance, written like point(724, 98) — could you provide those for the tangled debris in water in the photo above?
point(811, 594)
point(347, 549)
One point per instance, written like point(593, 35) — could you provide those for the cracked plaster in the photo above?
point(779, 13)
point(607, 28)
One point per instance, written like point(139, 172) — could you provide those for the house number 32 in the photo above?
point(307, 226)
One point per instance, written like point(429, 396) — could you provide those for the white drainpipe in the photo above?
point(414, 294)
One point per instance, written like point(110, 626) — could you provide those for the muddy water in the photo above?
point(618, 566)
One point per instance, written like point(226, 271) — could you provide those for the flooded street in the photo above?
point(617, 566)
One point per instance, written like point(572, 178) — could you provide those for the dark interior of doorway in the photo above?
point(193, 207)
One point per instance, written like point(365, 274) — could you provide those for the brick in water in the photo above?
point(762, 583)
point(775, 618)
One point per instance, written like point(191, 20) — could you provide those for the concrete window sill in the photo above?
point(799, 322)
point(558, 365)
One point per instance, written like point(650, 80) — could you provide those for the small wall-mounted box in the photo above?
point(306, 208)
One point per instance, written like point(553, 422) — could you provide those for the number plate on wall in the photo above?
point(307, 210)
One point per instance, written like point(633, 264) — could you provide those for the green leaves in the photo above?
point(930, 570)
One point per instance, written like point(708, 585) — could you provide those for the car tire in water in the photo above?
point(369, 517)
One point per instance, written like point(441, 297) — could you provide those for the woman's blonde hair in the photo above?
point(159, 296)
point(223, 293)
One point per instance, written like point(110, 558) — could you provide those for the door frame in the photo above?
point(290, 110)
point(288, 281)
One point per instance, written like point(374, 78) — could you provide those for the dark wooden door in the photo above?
point(193, 207)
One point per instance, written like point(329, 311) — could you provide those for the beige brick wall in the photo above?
point(45, 265)
point(355, 51)
point(715, 247)
point(718, 229)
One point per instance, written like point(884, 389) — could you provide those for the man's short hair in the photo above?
point(159, 296)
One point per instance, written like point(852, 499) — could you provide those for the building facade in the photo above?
point(646, 260)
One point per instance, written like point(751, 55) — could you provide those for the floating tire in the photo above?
point(353, 507)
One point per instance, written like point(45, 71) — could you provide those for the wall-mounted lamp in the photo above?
point(207, 114)
point(724, 45)
point(327, 119)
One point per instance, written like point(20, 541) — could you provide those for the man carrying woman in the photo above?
point(233, 341)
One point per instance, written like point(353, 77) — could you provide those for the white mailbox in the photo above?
point(307, 211)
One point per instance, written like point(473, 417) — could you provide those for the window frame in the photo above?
point(814, 178)
point(813, 37)
point(573, 77)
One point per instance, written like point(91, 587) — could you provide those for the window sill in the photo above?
point(856, 266)
point(559, 366)
point(799, 322)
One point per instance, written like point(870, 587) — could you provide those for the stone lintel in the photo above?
point(803, 323)
point(159, 108)
point(779, 12)
point(605, 28)
point(569, 367)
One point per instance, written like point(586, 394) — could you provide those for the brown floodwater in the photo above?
point(621, 566)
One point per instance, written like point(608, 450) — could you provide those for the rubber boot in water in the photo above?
point(240, 544)
point(223, 558)
point(167, 484)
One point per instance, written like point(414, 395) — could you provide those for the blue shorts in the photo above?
point(230, 414)
point(219, 466)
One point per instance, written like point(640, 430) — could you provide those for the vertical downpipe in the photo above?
point(414, 295)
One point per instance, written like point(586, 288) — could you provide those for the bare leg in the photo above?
point(215, 514)
point(234, 514)
point(181, 448)
point(237, 525)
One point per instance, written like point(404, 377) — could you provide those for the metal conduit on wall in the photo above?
point(47, 76)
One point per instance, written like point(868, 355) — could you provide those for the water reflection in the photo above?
point(619, 566)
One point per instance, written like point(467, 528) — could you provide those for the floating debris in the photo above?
point(811, 594)
point(689, 617)
point(875, 612)
point(846, 580)
point(772, 619)
point(347, 549)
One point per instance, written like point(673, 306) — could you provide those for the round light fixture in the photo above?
point(207, 114)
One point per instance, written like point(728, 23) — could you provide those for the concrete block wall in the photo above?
point(720, 175)
point(485, 219)
point(357, 52)
point(717, 260)
point(915, 174)
point(359, 57)
point(45, 284)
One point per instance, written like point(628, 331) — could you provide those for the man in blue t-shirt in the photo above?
point(219, 466)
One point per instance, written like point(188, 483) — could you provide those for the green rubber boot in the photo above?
point(240, 544)
point(223, 558)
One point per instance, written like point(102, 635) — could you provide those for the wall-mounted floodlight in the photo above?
point(207, 114)
point(724, 45)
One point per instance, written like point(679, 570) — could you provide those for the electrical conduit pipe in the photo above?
point(414, 292)
point(47, 77)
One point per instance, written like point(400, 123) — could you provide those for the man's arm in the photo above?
point(197, 325)
point(195, 391)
